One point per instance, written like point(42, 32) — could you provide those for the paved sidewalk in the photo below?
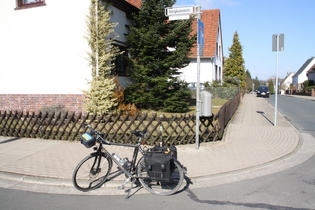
point(251, 147)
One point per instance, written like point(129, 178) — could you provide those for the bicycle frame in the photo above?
point(137, 148)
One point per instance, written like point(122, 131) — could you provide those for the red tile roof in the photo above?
point(211, 19)
point(136, 3)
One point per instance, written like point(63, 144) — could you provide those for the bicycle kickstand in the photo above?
point(121, 187)
point(130, 189)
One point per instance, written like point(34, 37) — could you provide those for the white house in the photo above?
point(43, 51)
point(287, 81)
point(211, 63)
point(311, 73)
point(301, 75)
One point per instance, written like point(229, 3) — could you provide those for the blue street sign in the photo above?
point(201, 40)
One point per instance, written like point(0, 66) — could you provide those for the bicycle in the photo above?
point(92, 172)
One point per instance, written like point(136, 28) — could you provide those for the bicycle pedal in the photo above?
point(185, 170)
point(121, 187)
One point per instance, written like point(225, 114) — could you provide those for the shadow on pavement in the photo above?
point(9, 140)
point(263, 114)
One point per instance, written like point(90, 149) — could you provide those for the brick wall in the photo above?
point(36, 102)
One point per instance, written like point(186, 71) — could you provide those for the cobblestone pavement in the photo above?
point(251, 147)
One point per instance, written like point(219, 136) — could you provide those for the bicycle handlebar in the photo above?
point(136, 133)
point(104, 141)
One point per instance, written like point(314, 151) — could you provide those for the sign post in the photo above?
point(277, 44)
point(180, 13)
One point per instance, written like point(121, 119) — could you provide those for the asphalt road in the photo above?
point(300, 112)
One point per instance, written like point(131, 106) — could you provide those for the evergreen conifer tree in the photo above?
point(100, 97)
point(271, 86)
point(248, 81)
point(234, 68)
point(256, 83)
point(159, 48)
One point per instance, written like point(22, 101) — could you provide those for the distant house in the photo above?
point(211, 63)
point(301, 75)
point(311, 73)
point(44, 53)
point(287, 81)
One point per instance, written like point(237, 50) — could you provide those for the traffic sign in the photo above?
point(201, 40)
point(179, 13)
point(277, 42)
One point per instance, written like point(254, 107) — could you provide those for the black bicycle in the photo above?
point(93, 171)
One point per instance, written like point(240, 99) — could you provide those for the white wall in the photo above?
point(286, 83)
point(189, 73)
point(119, 17)
point(302, 77)
point(218, 60)
point(207, 65)
point(43, 49)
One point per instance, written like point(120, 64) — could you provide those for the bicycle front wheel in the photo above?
point(161, 187)
point(92, 172)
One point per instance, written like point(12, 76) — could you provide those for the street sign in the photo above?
point(277, 42)
point(188, 10)
point(201, 40)
point(179, 13)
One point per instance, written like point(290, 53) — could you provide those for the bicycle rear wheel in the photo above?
point(92, 172)
point(161, 187)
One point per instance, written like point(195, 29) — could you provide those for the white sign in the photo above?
point(179, 13)
point(179, 17)
point(179, 10)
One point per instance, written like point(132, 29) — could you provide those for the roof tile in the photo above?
point(136, 3)
point(211, 19)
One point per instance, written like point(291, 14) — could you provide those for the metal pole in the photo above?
point(96, 26)
point(276, 94)
point(198, 84)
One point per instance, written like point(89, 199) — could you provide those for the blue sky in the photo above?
point(256, 21)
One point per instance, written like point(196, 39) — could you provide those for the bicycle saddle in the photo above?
point(139, 133)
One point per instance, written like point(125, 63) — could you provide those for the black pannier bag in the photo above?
point(159, 162)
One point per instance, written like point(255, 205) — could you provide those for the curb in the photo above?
point(304, 150)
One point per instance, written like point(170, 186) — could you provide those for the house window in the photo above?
point(122, 62)
point(23, 4)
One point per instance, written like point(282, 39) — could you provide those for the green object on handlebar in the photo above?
point(88, 140)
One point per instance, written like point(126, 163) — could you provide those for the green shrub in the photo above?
point(223, 92)
point(310, 87)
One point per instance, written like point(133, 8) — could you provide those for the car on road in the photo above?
point(263, 91)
